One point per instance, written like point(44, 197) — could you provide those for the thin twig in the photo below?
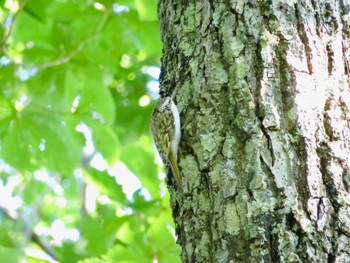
point(14, 18)
point(34, 237)
point(73, 53)
point(43, 244)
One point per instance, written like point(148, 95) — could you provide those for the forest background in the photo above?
point(80, 180)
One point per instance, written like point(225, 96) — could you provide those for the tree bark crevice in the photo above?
point(263, 89)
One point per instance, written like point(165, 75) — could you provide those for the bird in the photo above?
point(166, 132)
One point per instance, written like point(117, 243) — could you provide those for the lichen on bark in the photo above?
point(263, 93)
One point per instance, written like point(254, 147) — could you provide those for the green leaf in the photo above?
point(99, 233)
point(135, 246)
point(128, 254)
point(145, 240)
point(93, 260)
point(1, 33)
point(71, 252)
point(33, 191)
point(10, 255)
point(17, 148)
point(147, 9)
point(7, 113)
point(141, 162)
point(6, 108)
point(5, 235)
point(37, 9)
point(28, 39)
point(93, 98)
point(105, 140)
point(34, 139)
point(164, 240)
point(141, 205)
point(107, 184)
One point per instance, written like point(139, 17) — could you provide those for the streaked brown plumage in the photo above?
point(165, 129)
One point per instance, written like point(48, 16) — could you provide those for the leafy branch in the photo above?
point(10, 28)
point(34, 237)
point(80, 46)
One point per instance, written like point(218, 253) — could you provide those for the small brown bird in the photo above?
point(166, 132)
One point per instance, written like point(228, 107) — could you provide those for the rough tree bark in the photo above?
point(264, 96)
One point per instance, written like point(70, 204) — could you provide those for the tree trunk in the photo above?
point(263, 93)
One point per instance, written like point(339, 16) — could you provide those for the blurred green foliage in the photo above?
point(74, 114)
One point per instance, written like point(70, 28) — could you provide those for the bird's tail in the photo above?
point(175, 170)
